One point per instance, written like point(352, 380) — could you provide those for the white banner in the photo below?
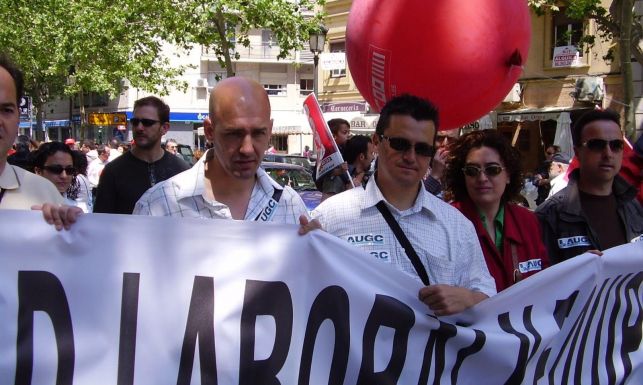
point(142, 300)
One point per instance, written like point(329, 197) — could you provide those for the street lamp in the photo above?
point(317, 40)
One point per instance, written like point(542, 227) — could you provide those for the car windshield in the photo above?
point(298, 179)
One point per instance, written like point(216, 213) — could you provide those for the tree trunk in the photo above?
point(39, 104)
point(627, 9)
point(225, 44)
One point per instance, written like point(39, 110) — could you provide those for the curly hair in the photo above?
point(455, 185)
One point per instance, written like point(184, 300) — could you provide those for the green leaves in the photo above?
point(106, 41)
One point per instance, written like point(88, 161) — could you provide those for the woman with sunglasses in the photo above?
point(484, 177)
point(55, 162)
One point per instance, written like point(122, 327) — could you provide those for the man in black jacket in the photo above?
point(598, 209)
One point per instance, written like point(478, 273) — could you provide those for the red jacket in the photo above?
point(521, 228)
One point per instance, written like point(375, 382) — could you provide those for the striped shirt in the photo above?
point(444, 239)
point(183, 196)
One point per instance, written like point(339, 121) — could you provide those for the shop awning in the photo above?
point(57, 123)
point(290, 122)
point(533, 114)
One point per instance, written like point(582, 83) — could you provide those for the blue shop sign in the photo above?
point(180, 116)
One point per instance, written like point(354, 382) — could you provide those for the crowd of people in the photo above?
point(408, 196)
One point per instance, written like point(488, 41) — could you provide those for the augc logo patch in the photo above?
point(366, 239)
point(575, 241)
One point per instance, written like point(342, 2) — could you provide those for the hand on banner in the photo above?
point(307, 226)
point(595, 252)
point(62, 216)
point(447, 300)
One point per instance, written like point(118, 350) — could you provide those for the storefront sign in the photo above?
point(344, 107)
point(359, 123)
point(107, 119)
point(566, 56)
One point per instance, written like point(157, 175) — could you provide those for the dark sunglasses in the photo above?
point(403, 145)
point(474, 171)
point(146, 122)
point(597, 145)
point(58, 169)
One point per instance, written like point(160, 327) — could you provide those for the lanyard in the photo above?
point(404, 241)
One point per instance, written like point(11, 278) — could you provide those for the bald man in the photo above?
point(227, 181)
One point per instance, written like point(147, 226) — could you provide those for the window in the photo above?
point(275, 89)
point(338, 47)
point(92, 99)
point(566, 31)
point(267, 37)
point(280, 142)
point(306, 86)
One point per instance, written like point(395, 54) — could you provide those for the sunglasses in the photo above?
point(403, 145)
point(146, 122)
point(598, 145)
point(474, 171)
point(58, 169)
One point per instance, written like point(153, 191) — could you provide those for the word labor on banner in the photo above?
point(232, 302)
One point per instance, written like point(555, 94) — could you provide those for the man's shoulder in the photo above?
point(443, 211)
point(349, 199)
point(34, 189)
point(122, 162)
point(553, 203)
point(174, 161)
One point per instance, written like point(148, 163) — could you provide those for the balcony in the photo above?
point(261, 53)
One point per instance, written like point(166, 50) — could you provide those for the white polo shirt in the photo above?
point(23, 189)
point(183, 196)
point(443, 238)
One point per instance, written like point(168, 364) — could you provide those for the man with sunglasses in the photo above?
point(19, 189)
point(597, 210)
point(398, 222)
point(126, 178)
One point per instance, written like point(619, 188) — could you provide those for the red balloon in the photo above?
point(463, 55)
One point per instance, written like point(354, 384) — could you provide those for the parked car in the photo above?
point(186, 153)
point(291, 159)
point(296, 177)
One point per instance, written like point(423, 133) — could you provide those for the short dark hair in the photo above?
point(458, 151)
point(162, 108)
point(16, 75)
point(90, 144)
point(101, 149)
point(406, 104)
point(335, 124)
point(592, 116)
point(355, 146)
point(48, 149)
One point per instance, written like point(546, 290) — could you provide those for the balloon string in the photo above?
point(617, 101)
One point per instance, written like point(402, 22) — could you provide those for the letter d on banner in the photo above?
point(42, 291)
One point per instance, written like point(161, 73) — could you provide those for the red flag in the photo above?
point(328, 155)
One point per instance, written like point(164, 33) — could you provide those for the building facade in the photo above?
point(287, 82)
point(558, 83)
